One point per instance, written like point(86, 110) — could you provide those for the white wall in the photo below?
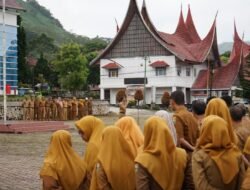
point(134, 68)
point(10, 18)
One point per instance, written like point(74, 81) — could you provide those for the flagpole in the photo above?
point(4, 67)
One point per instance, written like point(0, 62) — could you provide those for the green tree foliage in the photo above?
point(71, 66)
point(23, 69)
point(225, 56)
point(245, 77)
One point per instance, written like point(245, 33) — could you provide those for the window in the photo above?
point(113, 72)
point(178, 71)
point(160, 71)
point(188, 72)
point(195, 72)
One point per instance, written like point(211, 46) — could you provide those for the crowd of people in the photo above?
point(46, 109)
point(206, 149)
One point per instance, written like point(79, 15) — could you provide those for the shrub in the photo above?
point(138, 95)
point(120, 95)
point(165, 99)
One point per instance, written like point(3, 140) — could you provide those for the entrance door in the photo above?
point(107, 94)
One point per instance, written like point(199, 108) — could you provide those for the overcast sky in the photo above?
point(97, 17)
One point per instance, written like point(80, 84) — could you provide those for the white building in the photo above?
point(167, 62)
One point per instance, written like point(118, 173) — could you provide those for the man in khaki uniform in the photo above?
point(80, 108)
point(36, 106)
point(41, 109)
point(74, 108)
point(25, 106)
point(65, 109)
point(48, 109)
point(69, 109)
point(59, 104)
point(54, 109)
point(31, 108)
point(90, 106)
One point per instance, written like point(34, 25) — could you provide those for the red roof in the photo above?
point(184, 43)
point(112, 66)
point(224, 77)
point(159, 64)
point(11, 4)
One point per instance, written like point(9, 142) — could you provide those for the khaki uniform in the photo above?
point(36, 106)
point(25, 106)
point(74, 109)
point(31, 109)
point(206, 174)
point(48, 109)
point(54, 110)
point(69, 110)
point(65, 110)
point(187, 128)
point(41, 110)
point(90, 107)
point(80, 109)
point(59, 105)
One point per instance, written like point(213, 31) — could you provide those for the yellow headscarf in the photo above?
point(92, 127)
point(215, 141)
point(247, 146)
point(131, 132)
point(63, 163)
point(160, 157)
point(117, 160)
point(218, 107)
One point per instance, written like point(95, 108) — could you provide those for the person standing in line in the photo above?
point(123, 107)
point(90, 128)
point(65, 109)
point(114, 169)
point(242, 131)
point(160, 165)
point(36, 107)
point(86, 108)
point(187, 131)
point(74, 108)
point(47, 109)
point(54, 109)
point(218, 107)
point(31, 108)
point(90, 106)
point(80, 108)
point(63, 168)
point(217, 163)
point(246, 182)
point(25, 105)
point(69, 109)
point(198, 110)
point(131, 132)
point(170, 123)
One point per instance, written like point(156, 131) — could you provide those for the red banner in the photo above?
point(8, 89)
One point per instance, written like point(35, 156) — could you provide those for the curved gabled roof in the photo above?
point(11, 4)
point(132, 10)
point(184, 43)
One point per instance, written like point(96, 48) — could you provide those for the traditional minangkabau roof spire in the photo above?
point(191, 27)
point(146, 18)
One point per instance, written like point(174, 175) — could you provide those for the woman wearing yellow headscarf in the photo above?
point(217, 162)
point(90, 128)
point(131, 132)
point(161, 165)
point(115, 166)
point(63, 168)
point(218, 107)
point(246, 183)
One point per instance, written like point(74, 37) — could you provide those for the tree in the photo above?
point(71, 66)
point(24, 74)
point(94, 70)
point(225, 56)
point(120, 95)
point(244, 76)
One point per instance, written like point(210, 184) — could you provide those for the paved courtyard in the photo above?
point(21, 155)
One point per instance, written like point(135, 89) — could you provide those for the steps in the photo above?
point(19, 127)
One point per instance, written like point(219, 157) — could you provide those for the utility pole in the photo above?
point(4, 66)
point(144, 86)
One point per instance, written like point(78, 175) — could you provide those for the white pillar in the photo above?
point(153, 93)
point(102, 93)
point(173, 88)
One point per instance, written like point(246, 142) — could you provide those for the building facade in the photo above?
point(141, 56)
point(10, 29)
